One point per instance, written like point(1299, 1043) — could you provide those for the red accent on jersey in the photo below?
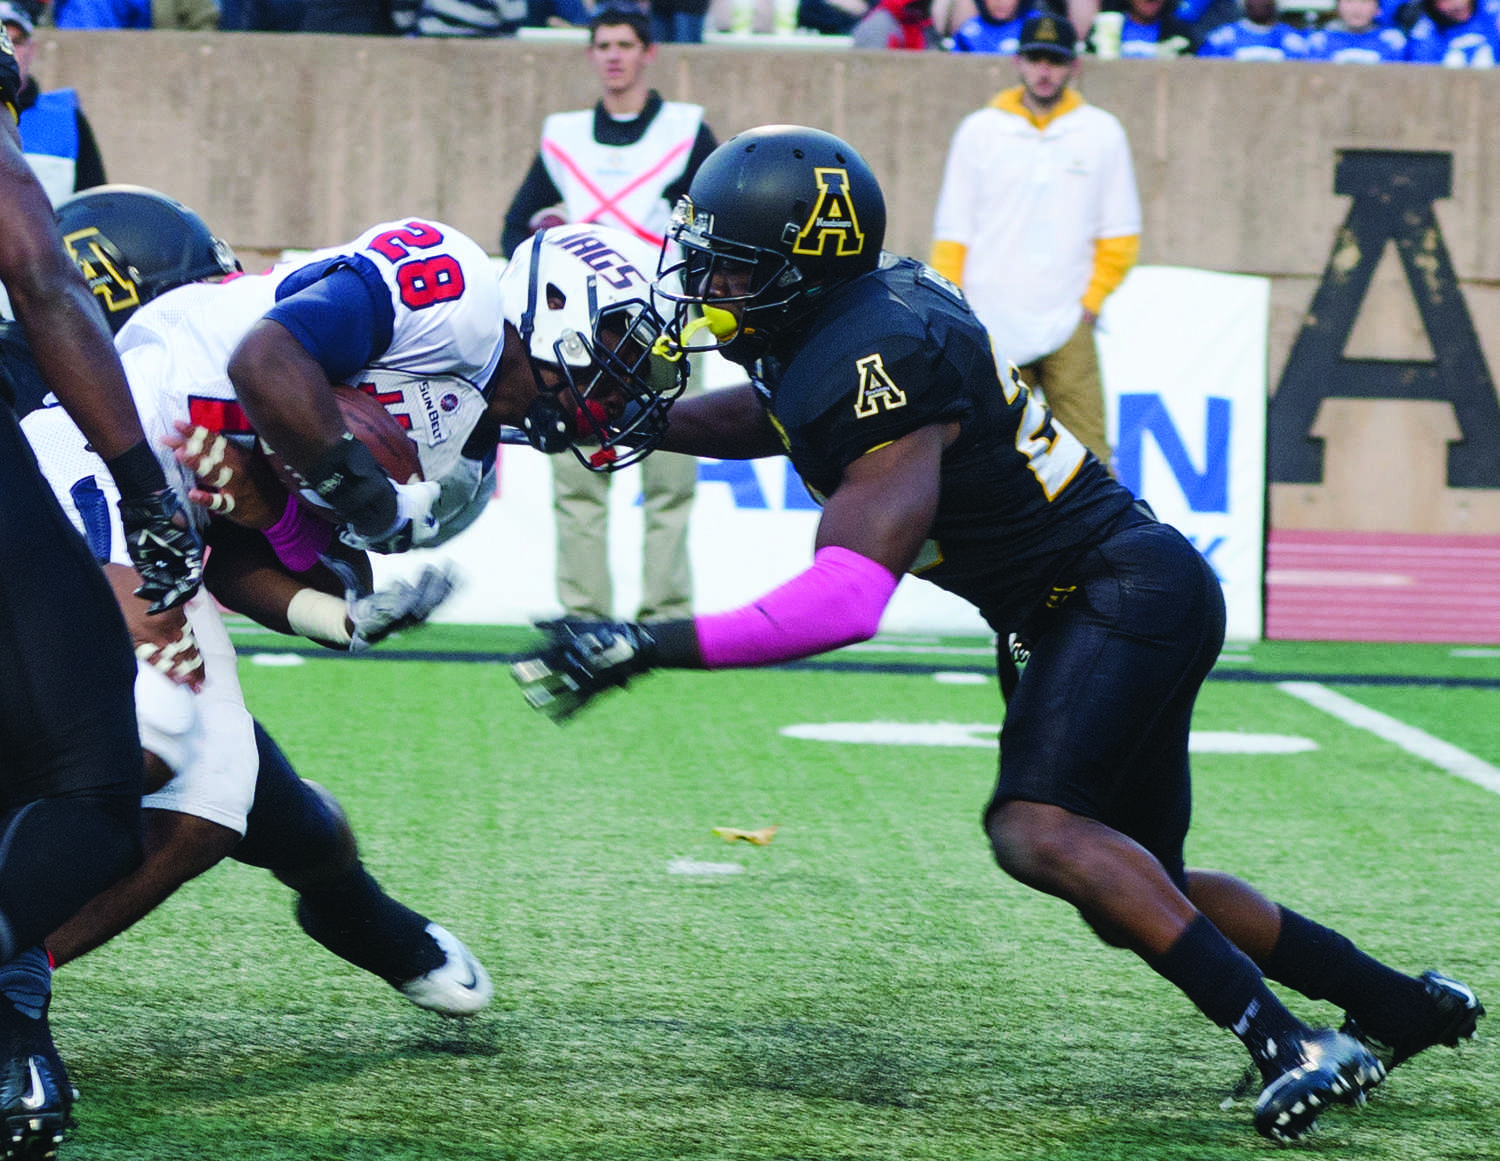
point(388, 399)
point(224, 415)
point(394, 245)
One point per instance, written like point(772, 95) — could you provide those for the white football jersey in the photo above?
point(206, 738)
point(446, 342)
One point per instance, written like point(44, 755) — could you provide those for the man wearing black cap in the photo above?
point(1038, 220)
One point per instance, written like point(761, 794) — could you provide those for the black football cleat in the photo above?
point(1454, 1016)
point(1324, 1068)
point(36, 1101)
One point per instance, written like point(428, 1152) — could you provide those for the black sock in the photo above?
point(1227, 987)
point(26, 982)
point(353, 918)
point(1324, 965)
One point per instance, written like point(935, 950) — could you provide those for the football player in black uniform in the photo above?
point(70, 763)
point(871, 373)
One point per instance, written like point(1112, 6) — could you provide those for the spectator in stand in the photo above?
point(478, 19)
point(831, 17)
point(349, 17)
point(995, 28)
point(1459, 34)
point(1356, 36)
point(898, 24)
point(189, 15)
point(678, 21)
point(1152, 28)
point(55, 135)
point(262, 15)
point(1260, 34)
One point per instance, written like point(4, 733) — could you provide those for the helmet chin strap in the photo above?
point(545, 422)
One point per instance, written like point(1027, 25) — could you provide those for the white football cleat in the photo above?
point(458, 987)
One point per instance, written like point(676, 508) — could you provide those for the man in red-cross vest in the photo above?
point(623, 163)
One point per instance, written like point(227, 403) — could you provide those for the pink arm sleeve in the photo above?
point(299, 536)
point(836, 602)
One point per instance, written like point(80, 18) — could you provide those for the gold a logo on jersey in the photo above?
point(833, 219)
point(877, 390)
point(103, 269)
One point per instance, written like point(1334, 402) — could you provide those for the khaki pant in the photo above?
point(1069, 381)
point(580, 506)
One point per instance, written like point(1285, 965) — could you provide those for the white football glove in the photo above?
point(398, 606)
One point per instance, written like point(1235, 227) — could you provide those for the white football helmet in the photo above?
point(581, 299)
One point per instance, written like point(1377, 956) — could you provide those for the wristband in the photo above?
point(299, 537)
point(319, 616)
point(137, 472)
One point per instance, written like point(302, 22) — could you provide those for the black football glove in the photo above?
point(582, 659)
point(164, 548)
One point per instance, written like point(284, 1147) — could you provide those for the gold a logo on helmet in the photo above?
point(832, 219)
point(107, 276)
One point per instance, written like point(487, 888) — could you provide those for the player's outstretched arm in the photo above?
point(76, 356)
point(872, 529)
point(723, 425)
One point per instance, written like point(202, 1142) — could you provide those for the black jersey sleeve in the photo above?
point(866, 375)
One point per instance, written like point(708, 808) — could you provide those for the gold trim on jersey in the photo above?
point(877, 389)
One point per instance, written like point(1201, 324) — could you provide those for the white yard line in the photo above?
point(1444, 755)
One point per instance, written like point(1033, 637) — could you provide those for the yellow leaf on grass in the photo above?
point(759, 837)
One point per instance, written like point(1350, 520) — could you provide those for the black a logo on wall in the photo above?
point(1393, 194)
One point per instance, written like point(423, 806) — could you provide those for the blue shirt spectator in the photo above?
point(1258, 35)
point(996, 27)
point(1355, 37)
point(103, 13)
point(1461, 34)
point(1152, 28)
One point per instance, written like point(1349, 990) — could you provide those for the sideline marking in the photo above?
point(982, 735)
point(278, 660)
point(959, 677)
point(683, 866)
point(1419, 743)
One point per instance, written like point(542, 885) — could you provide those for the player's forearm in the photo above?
point(285, 394)
point(723, 425)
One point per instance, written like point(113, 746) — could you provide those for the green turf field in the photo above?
point(867, 987)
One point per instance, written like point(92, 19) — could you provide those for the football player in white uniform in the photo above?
point(219, 785)
point(578, 364)
point(558, 349)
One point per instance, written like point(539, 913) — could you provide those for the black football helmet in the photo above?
point(796, 209)
point(132, 244)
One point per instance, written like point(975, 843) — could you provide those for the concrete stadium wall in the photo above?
point(295, 141)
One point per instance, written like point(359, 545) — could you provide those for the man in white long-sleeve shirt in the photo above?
point(1038, 220)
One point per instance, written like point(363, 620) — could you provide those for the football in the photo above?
point(378, 430)
point(375, 427)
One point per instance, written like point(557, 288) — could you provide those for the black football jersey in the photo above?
point(10, 72)
point(898, 349)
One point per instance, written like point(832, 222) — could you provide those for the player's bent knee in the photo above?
point(1031, 841)
point(97, 838)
